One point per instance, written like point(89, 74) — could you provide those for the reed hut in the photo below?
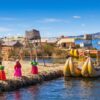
point(9, 47)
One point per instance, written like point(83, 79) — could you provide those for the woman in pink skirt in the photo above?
point(34, 69)
point(17, 69)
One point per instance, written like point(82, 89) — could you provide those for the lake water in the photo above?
point(50, 60)
point(72, 89)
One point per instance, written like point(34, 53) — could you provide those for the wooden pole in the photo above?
point(36, 58)
point(30, 49)
point(42, 51)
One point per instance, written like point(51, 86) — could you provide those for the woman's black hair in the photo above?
point(0, 62)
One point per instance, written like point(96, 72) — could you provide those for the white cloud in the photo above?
point(77, 17)
point(51, 20)
point(82, 25)
point(4, 29)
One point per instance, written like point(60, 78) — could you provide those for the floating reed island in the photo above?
point(46, 73)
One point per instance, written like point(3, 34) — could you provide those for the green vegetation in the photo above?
point(48, 49)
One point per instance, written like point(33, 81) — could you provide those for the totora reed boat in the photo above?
point(87, 70)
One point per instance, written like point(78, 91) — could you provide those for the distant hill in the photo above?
point(96, 35)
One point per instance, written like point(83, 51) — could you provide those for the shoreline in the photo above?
point(25, 81)
point(46, 73)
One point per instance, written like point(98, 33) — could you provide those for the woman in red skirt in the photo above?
point(2, 72)
point(34, 69)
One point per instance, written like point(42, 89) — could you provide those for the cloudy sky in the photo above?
point(51, 17)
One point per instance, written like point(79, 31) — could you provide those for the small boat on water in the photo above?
point(87, 70)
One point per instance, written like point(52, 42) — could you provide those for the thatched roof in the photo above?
point(12, 44)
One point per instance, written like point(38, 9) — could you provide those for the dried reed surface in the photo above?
point(46, 73)
point(26, 68)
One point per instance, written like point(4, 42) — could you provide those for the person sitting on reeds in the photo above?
point(17, 69)
point(2, 72)
point(34, 69)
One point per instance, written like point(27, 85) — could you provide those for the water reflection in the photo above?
point(68, 84)
point(34, 91)
point(17, 95)
point(2, 96)
point(87, 89)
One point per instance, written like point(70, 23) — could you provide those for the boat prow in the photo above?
point(70, 69)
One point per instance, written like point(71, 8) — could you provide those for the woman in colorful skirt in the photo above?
point(2, 72)
point(17, 69)
point(34, 69)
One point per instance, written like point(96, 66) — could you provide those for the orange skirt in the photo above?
point(2, 75)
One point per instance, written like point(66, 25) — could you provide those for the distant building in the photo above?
point(33, 34)
point(87, 42)
point(87, 36)
point(66, 42)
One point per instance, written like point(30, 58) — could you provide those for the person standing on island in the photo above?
point(17, 69)
point(2, 72)
point(34, 69)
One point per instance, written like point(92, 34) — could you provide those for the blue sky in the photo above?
point(51, 17)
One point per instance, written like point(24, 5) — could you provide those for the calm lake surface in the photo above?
point(71, 89)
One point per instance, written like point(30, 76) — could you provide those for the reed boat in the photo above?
point(74, 52)
point(88, 69)
point(93, 72)
point(70, 69)
point(84, 70)
point(66, 70)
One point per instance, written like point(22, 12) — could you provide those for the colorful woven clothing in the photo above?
point(17, 72)
point(34, 63)
point(1, 67)
point(34, 70)
point(2, 73)
point(17, 68)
